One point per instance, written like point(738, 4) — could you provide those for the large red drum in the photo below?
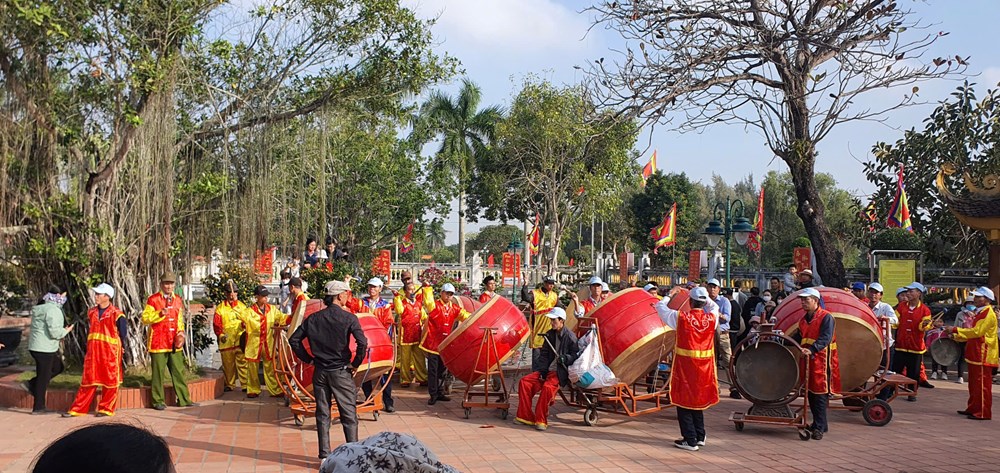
point(633, 337)
point(461, 352)
point(859, 335)
point(381, 352)
point(469, 304)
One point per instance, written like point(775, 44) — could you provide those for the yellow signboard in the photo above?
point(894, 274)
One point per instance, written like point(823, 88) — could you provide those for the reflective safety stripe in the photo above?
point(694, 353)
point(102, 337)
point(809, 341)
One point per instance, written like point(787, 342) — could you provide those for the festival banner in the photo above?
point(899, 213)
point(666, 233)
point(649, 169)
point(263, 264)
point(757, 237)
point(694, 266)
point(407, 245)
point(802, 258)
point(382, 263)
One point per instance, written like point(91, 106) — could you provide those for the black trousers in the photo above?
point(435, 376)
point(818, 404)
point(961, 359)
point(339, 384)
point(368, 386)
point(47, 366)
point(692, 425)
point(536, 359)
point(910, 361)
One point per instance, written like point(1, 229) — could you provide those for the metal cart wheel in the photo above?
point(504, 413)
point(590, 416)
point(375, 415)
point(495, 383)
point(468, 410)
point(877, 412)
point(299, 420)
point(739, 426)
point(804, 435)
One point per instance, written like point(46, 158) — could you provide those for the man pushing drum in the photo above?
point(819, 342)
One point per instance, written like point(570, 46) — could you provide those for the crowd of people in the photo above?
point(420, 319)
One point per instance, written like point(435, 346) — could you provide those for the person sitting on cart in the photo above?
point(819, 342)
point(558, 352)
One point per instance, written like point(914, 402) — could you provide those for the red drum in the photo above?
point(381, 354)
point(633, 337)
point(469, 304)
point(859, 334)
point(459, 350)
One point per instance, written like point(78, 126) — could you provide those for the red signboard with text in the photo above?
point(802, 258)
point(263, 264)
point(509, 267)
point(382, 264)
point(694, 266)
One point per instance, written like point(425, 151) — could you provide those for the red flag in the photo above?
point(407, 245)
point(535, 240)
point(571, 261)
point(899, 213)
point(666, 233)
point(490, 261)
point(649, 169)
point(757, 237)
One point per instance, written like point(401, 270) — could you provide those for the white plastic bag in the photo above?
point(589, 370)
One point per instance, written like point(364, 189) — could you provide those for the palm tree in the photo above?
point(465, 133)
point(435, 234)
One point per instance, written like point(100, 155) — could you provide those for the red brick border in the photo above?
point(203, 389)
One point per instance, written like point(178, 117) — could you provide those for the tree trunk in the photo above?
point(461, 227)
point(829, 260)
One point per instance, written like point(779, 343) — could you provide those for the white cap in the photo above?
point(556, 313)
point(699, 294)
point(335, 288)
point(714, 282)
point(448, 287)
point(375, 282)
point(649, 286)
point(876, 287)
point(105, 288)
point(809, 292)
point(605, 287)
point(970, 297)
point(595, 280)
point(755, 318)
point(984, 292)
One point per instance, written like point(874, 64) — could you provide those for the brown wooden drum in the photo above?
point(859, 335)
point(381, 354)
point(633, 337)
point(571, 321)
point(460, 349)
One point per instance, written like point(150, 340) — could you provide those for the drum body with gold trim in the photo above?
point(463, 352)
point(633, 338)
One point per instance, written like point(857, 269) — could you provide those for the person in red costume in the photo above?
point(694, 382)
point(980, 354)
point(914, 320)
point(596, 297)
point(489, 289)
point(559, 351)
point(819, 343)
point(102, 365)
point(441, 317)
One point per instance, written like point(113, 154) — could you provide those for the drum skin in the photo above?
point(381, 355)
point(944, 350)
point(766, 372)
point(633, 338)
point(859, 335)
point(460, 349)
point(571, 322)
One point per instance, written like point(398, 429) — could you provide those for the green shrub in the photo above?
point(896, 239)
point(244, 276)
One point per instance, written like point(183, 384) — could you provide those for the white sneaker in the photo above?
point(701, 443)
point(961, 380)
point(944, 376)
point(934, 375)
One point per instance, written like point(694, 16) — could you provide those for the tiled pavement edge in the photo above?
point(235, 434)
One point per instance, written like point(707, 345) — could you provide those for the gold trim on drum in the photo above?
point(660, 332)
point(365, 368)
point(466, 323)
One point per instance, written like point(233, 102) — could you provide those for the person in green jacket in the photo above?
point(47, 328)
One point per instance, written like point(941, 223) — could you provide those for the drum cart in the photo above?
point(777, 411)
point(299, 397)
point(873, 397)
point(491, 381)
point(641, 397)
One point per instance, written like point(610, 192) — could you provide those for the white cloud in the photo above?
point(505, 26)
point(990, 78)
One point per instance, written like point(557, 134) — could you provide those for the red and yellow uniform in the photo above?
point(102, 365)
point(913, 322)
point(165, 317)
point(694, 382)
point(589, 304)
point(439, 319)
point(824, 365)
point(981, 355)
point(298, 312)
point(410, 355)
point(228, 327)
point(261, 323)
point(544, 302)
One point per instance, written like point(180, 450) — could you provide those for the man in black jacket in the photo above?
point(558, 352)
point(329, 332)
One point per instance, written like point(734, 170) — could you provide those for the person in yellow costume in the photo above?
point(164, 314)
point(228, 327)
point(262, 320)
point(542, 301)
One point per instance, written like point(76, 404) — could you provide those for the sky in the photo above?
point(501, 42)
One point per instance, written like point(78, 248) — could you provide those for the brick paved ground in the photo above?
point(238, 435)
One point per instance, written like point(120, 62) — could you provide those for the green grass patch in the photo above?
point(134, 377)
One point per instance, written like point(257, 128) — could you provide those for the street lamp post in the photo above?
point(733, 223)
